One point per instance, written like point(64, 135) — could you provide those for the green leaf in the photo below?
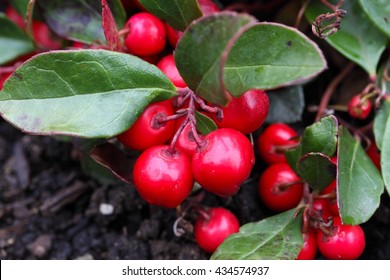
point(321, 137)
point(13, 41)
point(20, 6)
point(286, 105)
point(178, 13)
point(293, 156)
point(276, 238)
point(87, 93)
point(199, 53)
point(379, 12)
point(80, 20)
point(317, 170)
point(271, 55)
point(380, 123)
point(204, 124)
point(359, 40)
point(359, 183)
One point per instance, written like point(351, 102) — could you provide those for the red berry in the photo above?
point(44, 37)
point(213, 226)
point(14, 16)
point(309, 248)
point(245, 113)
point(3, 78)
point(374, 155)
point(274, 140)
point(332, 202)
point(359, 108)
point(224, 161)
point(186, 141)
point(321, 206)
point(163, 178)
point(147, 35)
point(148, 130)
point(280, 188)
point(168, 66)
point(208, 7)
point(345, 242)
point(173, 35)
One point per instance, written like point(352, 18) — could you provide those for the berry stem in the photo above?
point(284, 186)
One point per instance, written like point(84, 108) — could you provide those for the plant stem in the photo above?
point(331, 88)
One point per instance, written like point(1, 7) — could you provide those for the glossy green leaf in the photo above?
point(293, 156)
point(271, 55)
point(321, 137)
point(20, 6)
point(13, 41)
point(379, 12)
point(80, 20)
point(198, 55)
point(317, 170)
point(382, 138)
point(205, 124)
point(87, 93)
point(286, 105)
point(178, 13)
point(359, 183)
point(275, 238)
point(381, 121)
point(359, 40)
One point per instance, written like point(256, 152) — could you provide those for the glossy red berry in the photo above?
point(374, 155)
point(280, 188)
point(346, 242)
point(173, 35)
point(44, 37)
point(208, 7)
point(274, 140)
point(3, 78)
point(163, 178)
point(213, 226)
point(147, 35)
point(186, 141)
point(14, 16)
point(332, 202)
point(168, 66)
point(309, 247)
point(150, 129)
point(223, 162)
point(321, 207)
point(247, 112)
point(359, 108)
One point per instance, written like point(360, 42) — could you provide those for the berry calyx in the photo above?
point(168, 66)
point(247, 112)
point(150, 128)
point(224, 161)
point(186, 141)
point(147, 34)
point(343, 242)
point(359, 107)
point(274, 140)
point(280, 188)
point(163, 177)
point(213, 226)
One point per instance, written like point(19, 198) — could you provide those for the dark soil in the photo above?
point(50, 209)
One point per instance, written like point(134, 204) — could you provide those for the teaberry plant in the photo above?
point(187, 85)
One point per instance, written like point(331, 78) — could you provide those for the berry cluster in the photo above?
point(281, 189)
